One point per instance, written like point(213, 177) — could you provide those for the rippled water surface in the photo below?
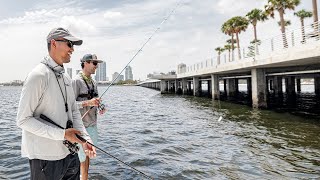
point(180, 137)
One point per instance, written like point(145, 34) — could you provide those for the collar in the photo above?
point(56, 68)
point(84, 77)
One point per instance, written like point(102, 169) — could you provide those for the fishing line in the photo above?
point(102, 106)
point(85, 141)
point(112, 82)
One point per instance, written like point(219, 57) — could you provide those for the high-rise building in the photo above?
point(115, 75)
point(182, 68)
point(69, 71)
point(101, 72)
point(128, 73)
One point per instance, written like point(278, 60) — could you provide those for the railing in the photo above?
point(294, 38)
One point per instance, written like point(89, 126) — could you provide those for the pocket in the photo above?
point(43, 165)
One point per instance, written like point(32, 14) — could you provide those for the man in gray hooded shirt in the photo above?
point(48, 91)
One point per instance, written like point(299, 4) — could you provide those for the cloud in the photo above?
point(236, 7)
point(115, 33)
point(112, 15)
point(77, 25)
point(44, 15)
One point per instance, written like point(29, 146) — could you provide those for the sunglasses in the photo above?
point(69, 43)
point(93, 62)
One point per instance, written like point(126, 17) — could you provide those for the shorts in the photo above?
point(93, 133)
point(66, 168)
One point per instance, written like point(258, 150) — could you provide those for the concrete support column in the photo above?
point(215, 86)
point(298, 80)
point(236, 85)
point(184, 86)
point(163, 86)
point(317, 85)
point(290, 85)
point(271, 84)
point(249, 86)
point(225, 86)
point(277, 85)
point(231, 87)
point(209, 87)
point(259, 87)
point(176, 86)
point(196, 86)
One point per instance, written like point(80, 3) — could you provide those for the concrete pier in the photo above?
point(259, 94)
point(184, 86)
point(277, 86)
point(317, 85)
point(290, 85)
point(225, 86)
point(298, 82)
point(176, 87)
point(196, 86)
point(249, 86)
point(215, 90)
point(163, 87)
point(231, 87)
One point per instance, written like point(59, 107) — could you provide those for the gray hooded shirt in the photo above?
point(80, 87)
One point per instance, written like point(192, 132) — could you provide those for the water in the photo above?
point(180, 137)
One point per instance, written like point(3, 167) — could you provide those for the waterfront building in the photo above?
point(182, 68)
point(128, 73)
point(115, 75)
point(101, 72)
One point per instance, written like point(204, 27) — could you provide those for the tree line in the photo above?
point(235, 25)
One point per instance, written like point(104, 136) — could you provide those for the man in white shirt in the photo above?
point(48, 91)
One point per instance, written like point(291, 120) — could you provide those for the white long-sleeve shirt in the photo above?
point(41, 95)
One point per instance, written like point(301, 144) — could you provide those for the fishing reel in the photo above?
point(101, 107)
point(73, 147)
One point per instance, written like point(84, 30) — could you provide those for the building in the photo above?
point(69, 71)
point(182, 68)
point(116, 75)
point(128, 73)
point(101, 72)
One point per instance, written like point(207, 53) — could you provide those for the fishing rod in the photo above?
point(102, 106)
point(73, 147)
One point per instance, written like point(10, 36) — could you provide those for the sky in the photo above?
point(115, 31)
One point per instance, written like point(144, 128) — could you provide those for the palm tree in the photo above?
point(315, 11)
point(228, 47)
point(228, 30)
point(254, 16)
point(219, 50)
point(315, 17)
point(281, 6)
point(231, 41)
point(303, 14)
point(239, 24)
point(286, 23)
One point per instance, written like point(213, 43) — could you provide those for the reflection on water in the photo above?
point(180, 137)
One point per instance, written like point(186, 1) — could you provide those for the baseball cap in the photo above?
point(90, 57)
point(56, 33)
